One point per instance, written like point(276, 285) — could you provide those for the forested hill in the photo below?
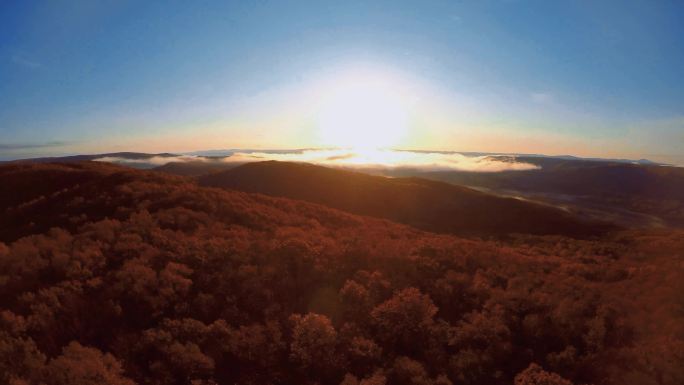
point(115, 276)
point(425, 204)
point(614, 190)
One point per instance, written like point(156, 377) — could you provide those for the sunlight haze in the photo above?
point(579, 78)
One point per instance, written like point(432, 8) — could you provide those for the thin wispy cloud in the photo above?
point(23, 61)
point(29, 146)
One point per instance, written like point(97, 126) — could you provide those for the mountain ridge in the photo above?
point(425, 204)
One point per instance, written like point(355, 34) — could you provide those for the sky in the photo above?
point(586, 78)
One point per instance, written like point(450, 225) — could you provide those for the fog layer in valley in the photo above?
point(429, 161)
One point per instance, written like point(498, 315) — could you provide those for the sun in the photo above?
point(363, 111)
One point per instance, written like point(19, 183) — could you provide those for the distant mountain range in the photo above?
point(225, 153)
point(563, 157)
point(628, 193)
point(643, 195)
point(133, 159)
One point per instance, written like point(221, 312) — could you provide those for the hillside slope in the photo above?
point(128, 276)
point(425, 204)
point(196, 168)
point(608, 189)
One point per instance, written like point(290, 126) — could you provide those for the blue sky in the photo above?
point(581, 77)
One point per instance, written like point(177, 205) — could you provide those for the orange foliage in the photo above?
point(118, 276)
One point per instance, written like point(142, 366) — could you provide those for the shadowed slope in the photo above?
point(429, 205)
point(606, 188)
point(195, 168)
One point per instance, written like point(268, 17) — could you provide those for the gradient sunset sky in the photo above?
point(587, 78)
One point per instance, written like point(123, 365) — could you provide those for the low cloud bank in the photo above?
point(394, 159)
point(383, 159)
point(150, 162)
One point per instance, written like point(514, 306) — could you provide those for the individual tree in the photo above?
point(20, 359)
point(377, 378)
point(174, 351)
point(314, 341)
point(260, 344)
point(535, 375)
point(363, 354)
point(81, 365)
point(349, 379)
point(405, 318)
point(409, 372)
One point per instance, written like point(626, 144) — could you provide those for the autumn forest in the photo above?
point(112, 275)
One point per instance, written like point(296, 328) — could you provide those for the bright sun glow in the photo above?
point(364, 111)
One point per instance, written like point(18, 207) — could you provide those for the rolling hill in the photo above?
point(195, 168)
point(120, 276)
point(634, 195)
point(425, 204)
